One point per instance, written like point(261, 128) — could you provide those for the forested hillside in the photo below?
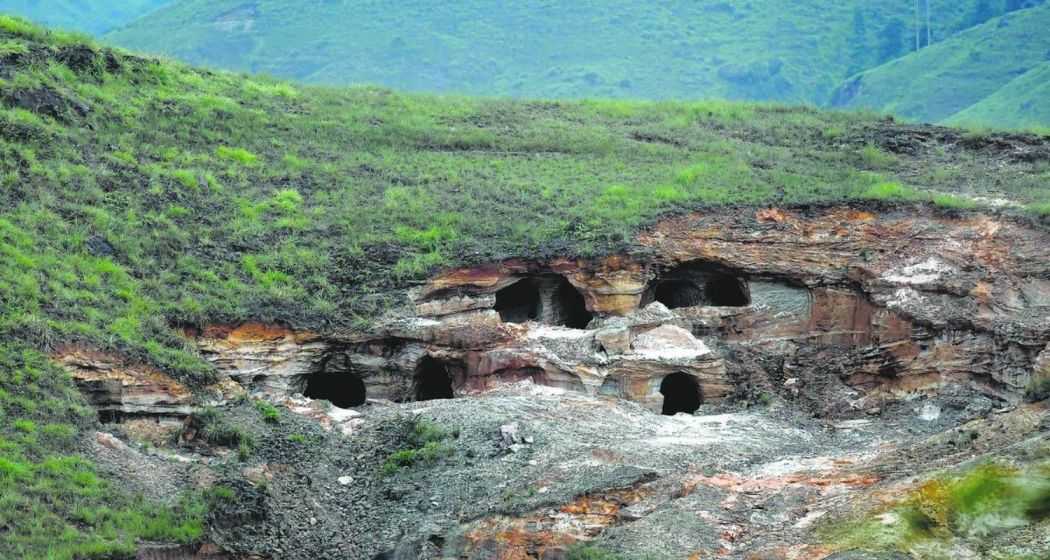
point(89, 16)
point(757, 49)
point(991, 75)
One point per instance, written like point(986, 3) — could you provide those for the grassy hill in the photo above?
point(138, 196)
point(937, 83)
point(88, 16)
point(1024, 102)
point(735, 49)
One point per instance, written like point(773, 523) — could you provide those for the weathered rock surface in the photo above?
point(880, 346)
point(838, 309)
point(117, 388)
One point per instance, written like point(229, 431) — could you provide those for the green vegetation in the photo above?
point(992, 75)
point(426, 443)
point(269, 412)
point(973, 505)
point(53, 503)
point(212, 427)
point(679, 49)
point(138, 196)
point(90, 16)
point(590, 552)
point(1023, 103)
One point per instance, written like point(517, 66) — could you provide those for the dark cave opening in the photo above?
point(679, 293)
point(343, 390)
point(681, 394)
point(697, 284)
point(570, 309)
point(519, 302)
point(723, 290)
point(433, 380)
point(550, 299)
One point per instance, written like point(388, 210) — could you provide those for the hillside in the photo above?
point(735, 49)
point(143, 201)
point(1024, 102)
point(88, 16)
point(946, 79)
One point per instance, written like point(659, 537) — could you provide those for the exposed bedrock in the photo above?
point(837, 308)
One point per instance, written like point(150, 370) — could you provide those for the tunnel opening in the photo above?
point(679, 293)
point(569, 307)
point(723, 290)
point(519, 302)
point(343, 389)
point(549, 299)
point(433, 380)
point(697, 284)
point(681, 393)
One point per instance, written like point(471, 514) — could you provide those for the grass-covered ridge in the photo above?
point(139, 194)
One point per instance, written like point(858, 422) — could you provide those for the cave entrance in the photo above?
point(549, 299)
point(433, 380)
point(343, 389)
point(698, 284)
point(723, 290)
point(681, 394)
point(679, 293)
point(519, 302)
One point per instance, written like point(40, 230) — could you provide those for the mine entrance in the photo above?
point(569, 308)
point(724, 290)
point(679, 293)
point(433, 380)
point(343, 389)
point(697, 284)
point(519, 302)
point(681, 394)
point(547, 298)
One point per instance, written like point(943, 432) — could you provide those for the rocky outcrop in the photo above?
point(839, 309)
point(119, 389)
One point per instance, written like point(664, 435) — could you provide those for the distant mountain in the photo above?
point(89, 16)
point(1022, 103)
point(738, 49)
point(994, 74)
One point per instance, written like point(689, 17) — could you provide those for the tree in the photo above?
point(891, 40)
point(857, 44)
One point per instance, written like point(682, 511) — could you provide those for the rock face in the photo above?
point(837, 308)
point(120, 390)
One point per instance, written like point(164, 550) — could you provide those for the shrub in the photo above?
point(890, 191)
point(426, 444)
point(954, 202)
point(875, 158)
point(237, 155)
point(269, 412)
point(590, 552)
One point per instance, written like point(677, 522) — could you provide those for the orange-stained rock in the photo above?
point(115, 386)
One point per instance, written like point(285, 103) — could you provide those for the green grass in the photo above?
point(53, 503)
point(426, 444)
point(1023, 103)
point(590, 552)
point(142, 196)
point(269, 412)
point(974, 505)
point(759, 50)
point(977, 77)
